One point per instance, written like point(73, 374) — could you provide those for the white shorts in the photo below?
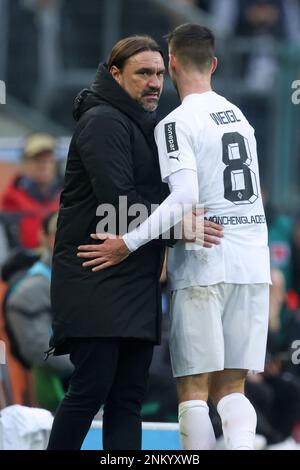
point(223, 326)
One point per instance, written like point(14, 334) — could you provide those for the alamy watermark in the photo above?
point(296, 354)
point(2, 92)
point(296, 94)
point(2, 352)
point(129, 218)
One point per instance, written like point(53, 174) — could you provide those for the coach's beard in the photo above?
point(153, 97)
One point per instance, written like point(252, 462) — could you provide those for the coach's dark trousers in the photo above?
point(109, 371)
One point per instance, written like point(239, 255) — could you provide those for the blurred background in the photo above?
point(49, 50)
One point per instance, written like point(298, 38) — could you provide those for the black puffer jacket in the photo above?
point(112, 154)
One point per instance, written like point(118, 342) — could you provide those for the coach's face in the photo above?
point(142, 77)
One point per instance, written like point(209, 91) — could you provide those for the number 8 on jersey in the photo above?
point(240, 185)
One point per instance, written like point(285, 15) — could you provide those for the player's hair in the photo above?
point(193, 45)
point(130, 46)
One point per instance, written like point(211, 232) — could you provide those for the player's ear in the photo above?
point(172, 61)
point(214, 64)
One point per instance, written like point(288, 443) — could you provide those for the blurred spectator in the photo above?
point(27, 310)
point(296, 257)
point(14, 269)
point(9, 235)
point(22, 53)
point(35, 191)
point(4, 244)
point(265, 21)
point(224, 12)
point(280, 227)
point(262, 17)
point(81, 33)
point(292, 13)
point(34, 52)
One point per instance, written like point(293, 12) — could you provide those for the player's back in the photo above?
point(227, 167)
point(211, 135)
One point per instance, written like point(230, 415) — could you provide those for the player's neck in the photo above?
point(193, 83)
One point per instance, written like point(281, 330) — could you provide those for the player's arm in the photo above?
point(183, 183)
point(183, 196)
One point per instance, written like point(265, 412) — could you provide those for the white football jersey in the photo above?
point(210, 135)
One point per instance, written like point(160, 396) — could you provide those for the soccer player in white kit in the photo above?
point(220, 296)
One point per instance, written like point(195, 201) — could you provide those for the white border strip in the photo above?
point(97, 424)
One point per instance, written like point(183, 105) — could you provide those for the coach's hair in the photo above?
point(193, 45)
point(130, 46)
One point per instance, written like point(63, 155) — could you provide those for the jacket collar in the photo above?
point(106, 88)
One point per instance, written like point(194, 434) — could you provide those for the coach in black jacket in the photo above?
point(109, 321)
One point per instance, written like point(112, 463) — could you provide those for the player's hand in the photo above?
point(112, 251)
point(200, 231)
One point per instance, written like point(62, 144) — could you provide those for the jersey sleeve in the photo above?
point(174, 140)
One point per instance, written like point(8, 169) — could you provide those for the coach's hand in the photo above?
point(112, 251)
point(203, 232)
point(212, 233)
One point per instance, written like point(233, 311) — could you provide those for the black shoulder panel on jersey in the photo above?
point(171, 138)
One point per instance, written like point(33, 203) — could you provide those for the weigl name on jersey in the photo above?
point(224, 117)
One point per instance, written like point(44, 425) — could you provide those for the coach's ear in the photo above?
point(214, 64)
point(116, 73)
